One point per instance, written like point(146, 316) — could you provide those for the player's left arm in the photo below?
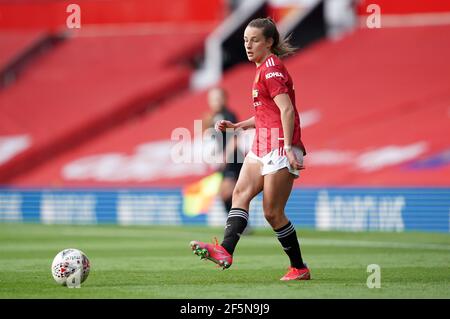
point(276, 80)
point(284, 103)
point(287, 116)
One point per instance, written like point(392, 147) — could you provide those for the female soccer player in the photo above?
point(276, 156)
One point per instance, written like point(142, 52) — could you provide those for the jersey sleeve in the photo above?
point(276, 79)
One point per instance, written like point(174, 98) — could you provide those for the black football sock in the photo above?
point(288, 239)
point(235, 225)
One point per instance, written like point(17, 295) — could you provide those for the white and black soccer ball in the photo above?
point(67, 262)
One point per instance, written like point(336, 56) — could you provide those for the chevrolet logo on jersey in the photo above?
point(255, 93)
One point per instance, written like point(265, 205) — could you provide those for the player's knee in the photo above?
point(272, 216)
point(241, 195)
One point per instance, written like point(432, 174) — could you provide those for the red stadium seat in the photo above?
point(374, 108)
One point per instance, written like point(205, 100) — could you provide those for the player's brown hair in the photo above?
point(281, 46)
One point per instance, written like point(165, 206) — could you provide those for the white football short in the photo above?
point(273, 161)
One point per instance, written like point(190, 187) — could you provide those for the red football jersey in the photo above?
point(272, 78)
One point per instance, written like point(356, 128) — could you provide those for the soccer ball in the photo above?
point(67, 262)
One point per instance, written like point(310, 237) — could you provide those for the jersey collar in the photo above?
point(267, 58)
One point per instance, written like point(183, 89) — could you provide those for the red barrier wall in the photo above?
point(405, 6)
point(382, 118)
point(52, 13)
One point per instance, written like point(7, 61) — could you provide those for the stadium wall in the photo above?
point(52, 14)
point(352, 209)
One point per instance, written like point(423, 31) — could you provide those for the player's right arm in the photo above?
point(223, 125)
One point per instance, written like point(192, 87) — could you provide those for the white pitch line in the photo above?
point(142, 233)
point(368, 244)
point(376, 244)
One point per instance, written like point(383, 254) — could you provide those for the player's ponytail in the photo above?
point(280, 47)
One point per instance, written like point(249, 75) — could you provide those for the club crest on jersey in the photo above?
point(274, 74)
point(255, 93)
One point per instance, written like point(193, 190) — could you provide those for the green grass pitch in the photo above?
point(156, 262)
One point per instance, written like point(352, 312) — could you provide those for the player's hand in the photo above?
point(293, 161)
point(223, 125)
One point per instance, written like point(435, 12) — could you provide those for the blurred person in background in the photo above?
point(276, 156)
point(232, 156)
